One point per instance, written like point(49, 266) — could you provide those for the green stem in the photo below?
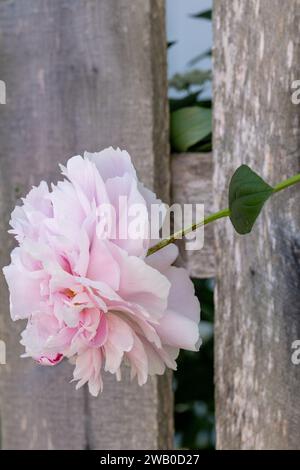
point(287, 183)
point(185, 231)
point(211, 218)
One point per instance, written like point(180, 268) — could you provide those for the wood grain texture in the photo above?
point(80, 75)
point(256, 59)
point(192, 181)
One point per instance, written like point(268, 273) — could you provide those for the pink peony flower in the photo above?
point(93, 296)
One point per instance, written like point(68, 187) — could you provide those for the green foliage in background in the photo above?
point(183, 82)
point(191, 120)
point(194, 382)
point(205, 15)
point(191, 130)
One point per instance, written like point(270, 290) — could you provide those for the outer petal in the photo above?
point(111, 162)
point(88, 367)
point(142, 285)
point(160, 358)
point(180, 325)
point(40, 328)
point(70, 207)
point(132, 223)
point(102, 265)
point(138, 360)
point(120, 340)
point(157, 211)
point(27, 220)
point(179, 331)
point(24, 287)
point(182, 297)
point(156, 365)
point(162, 259)
point(85, 178)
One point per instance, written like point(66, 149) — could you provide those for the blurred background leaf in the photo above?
point(193, 78)
point(190, 115)
point(194, 382)
point(204, 15)
point(171, 43)
point(200, 57)
point(189, 100)
point(191, 130)
point(189, 126)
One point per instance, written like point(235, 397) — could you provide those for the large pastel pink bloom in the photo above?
point(97, 299)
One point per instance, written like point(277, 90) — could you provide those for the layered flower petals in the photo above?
point(25, 286)
point(92, 295)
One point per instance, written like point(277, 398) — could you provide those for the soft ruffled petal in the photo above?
point(179, 331)
point(87, 181)
point(24, 287)
point(140, 284)
point(111, 162)
point(132, 227)
point(120, 340)
point(28, 219)
point(182, 297)
point(139, 361)
point(88, 369)
point(102, 265)
point(38, 332)
point(162, 259)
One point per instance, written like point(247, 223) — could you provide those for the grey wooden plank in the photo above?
point(192, 183)
point(127, 416)
point(80, 76)
point(258, 290)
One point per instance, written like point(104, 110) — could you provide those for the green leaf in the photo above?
point(204, 146)
point(248, 193)
point(204, 103)
point(189, 126)
point(185, 81)
point(199, 57)
point(171, 43)
point(205, 15)
point(189, 100)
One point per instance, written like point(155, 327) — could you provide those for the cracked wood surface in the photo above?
point(80, 75)
point(256, 59)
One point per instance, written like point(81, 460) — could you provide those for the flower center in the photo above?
point(69, 293)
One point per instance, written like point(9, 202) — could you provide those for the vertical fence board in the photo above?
point(192, 182)
point(257, 57)
point(80, 75)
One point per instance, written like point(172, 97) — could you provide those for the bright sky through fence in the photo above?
point(193, 36)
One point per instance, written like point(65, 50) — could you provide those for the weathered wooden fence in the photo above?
point(257, 57)
point(80, 75)
point(89, 74)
